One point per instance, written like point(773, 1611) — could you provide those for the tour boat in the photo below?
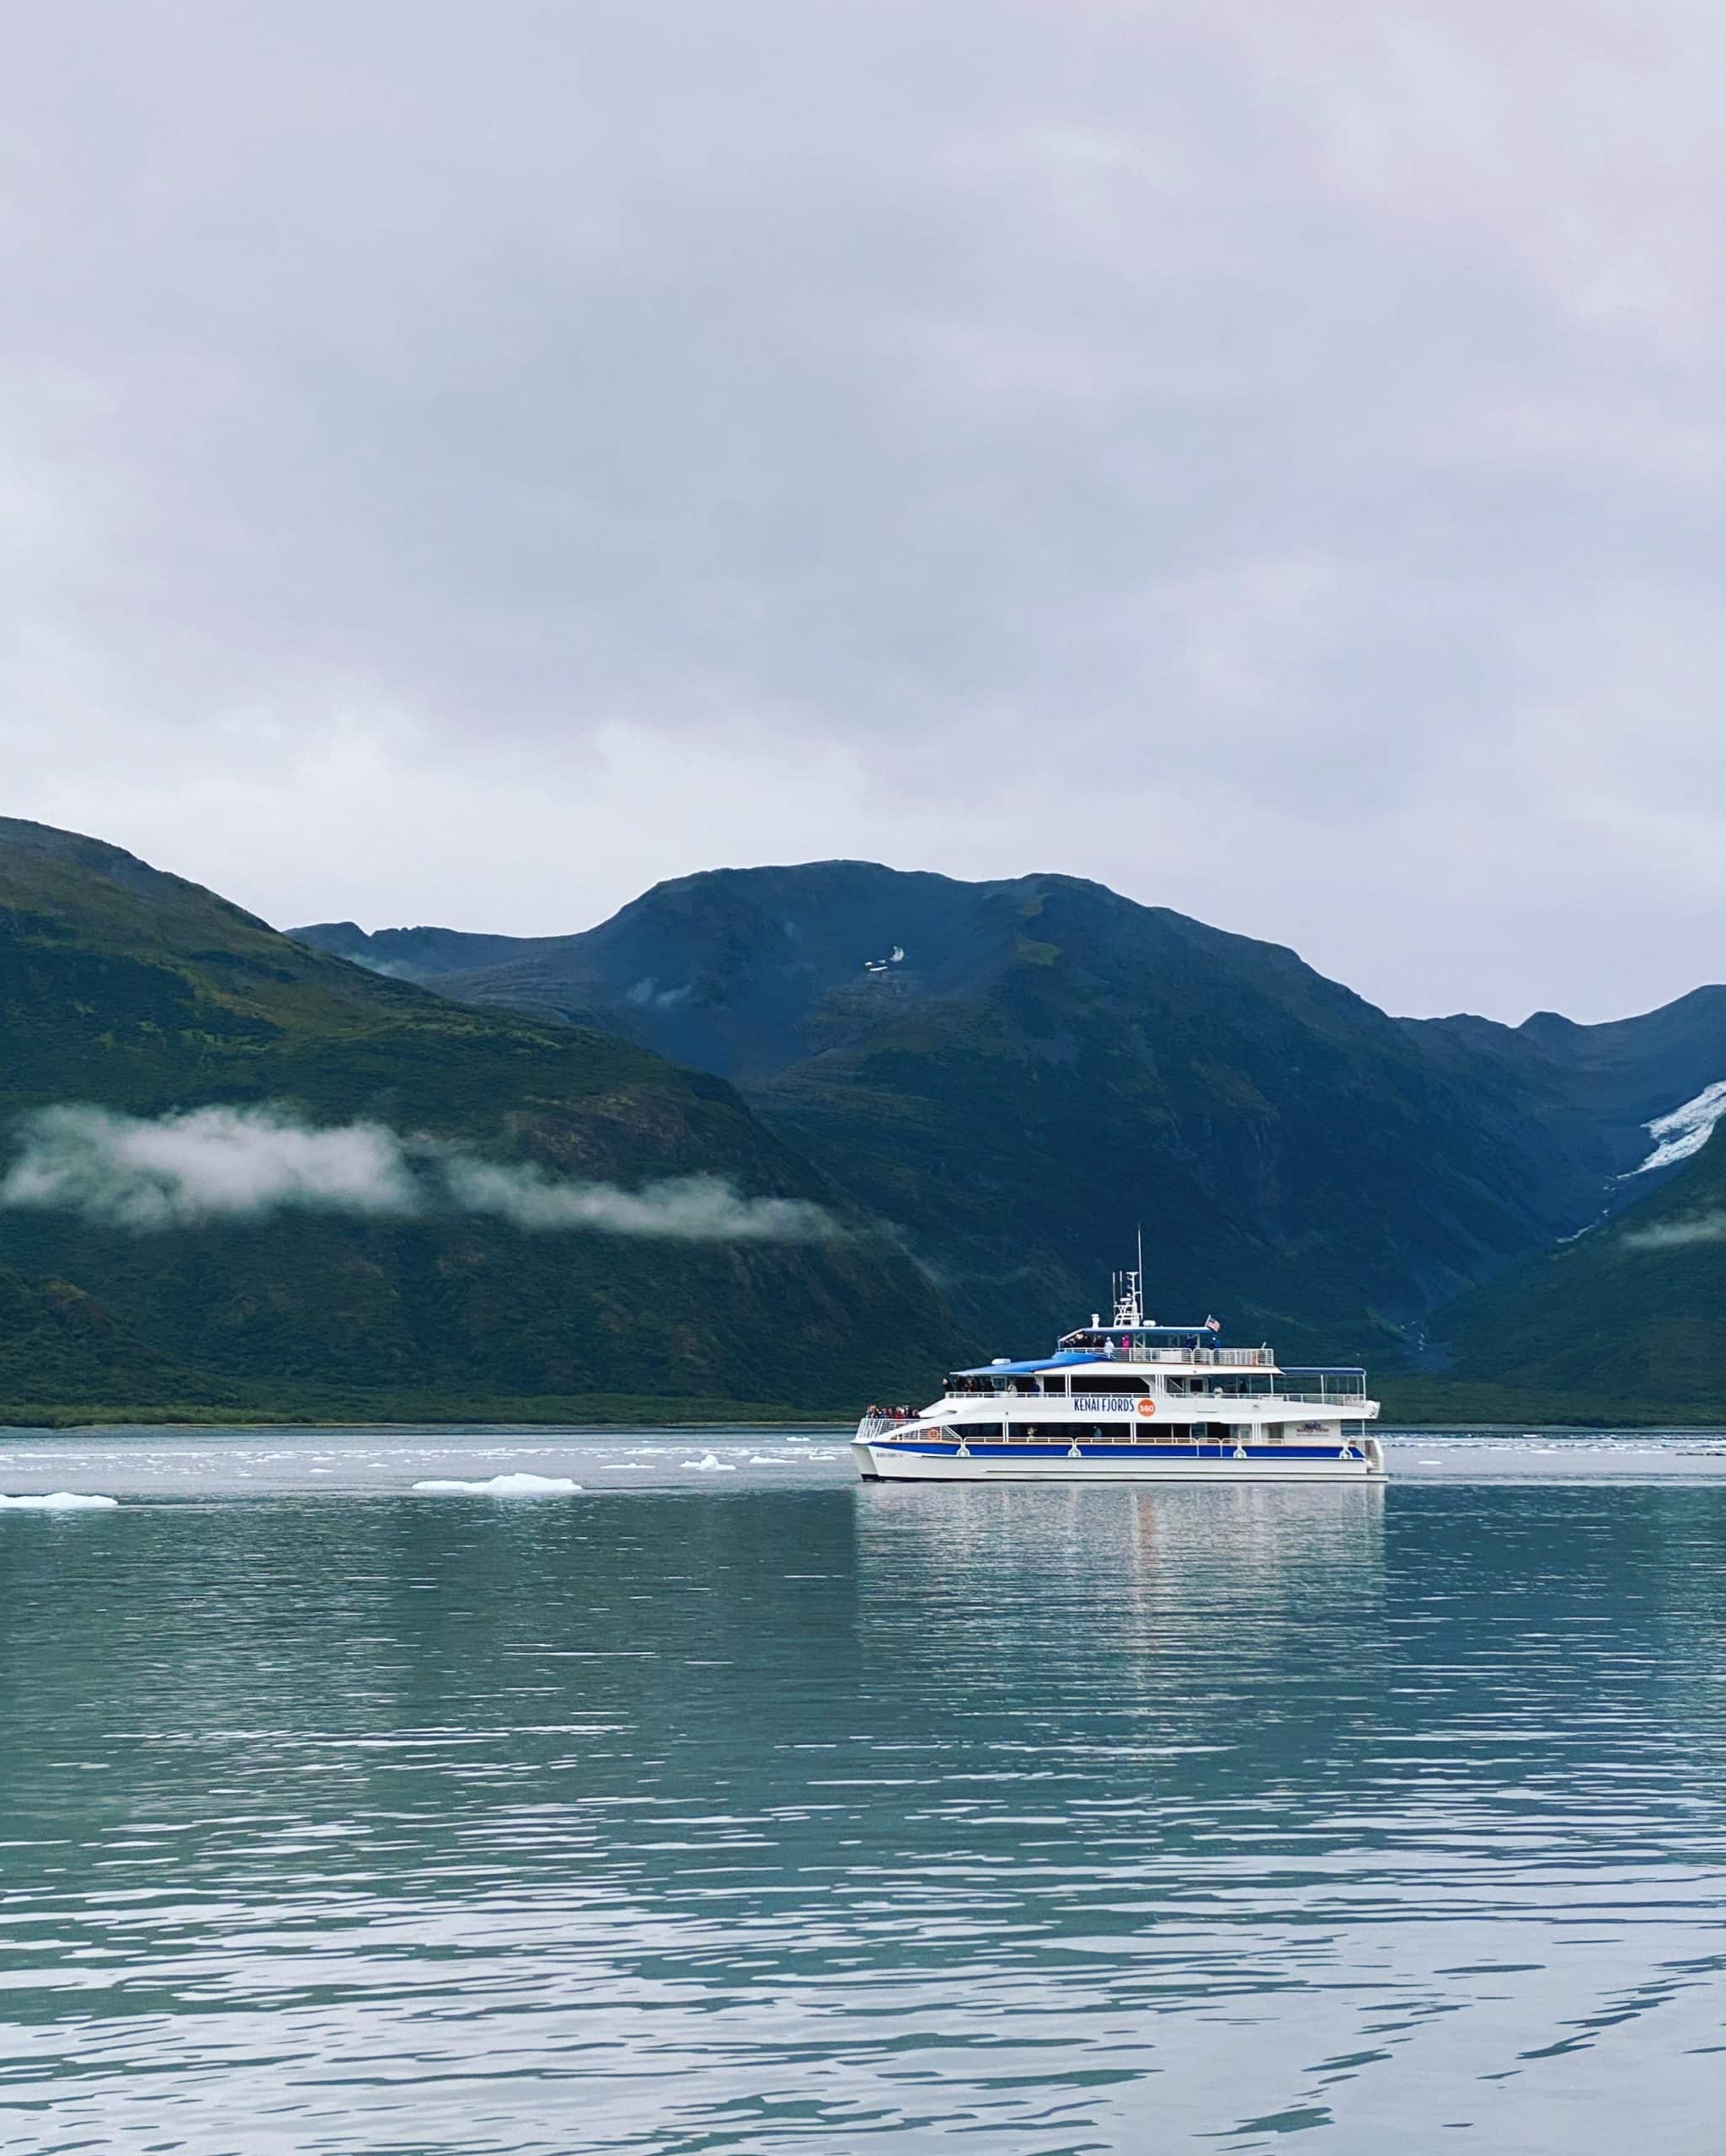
point(1133, 1401)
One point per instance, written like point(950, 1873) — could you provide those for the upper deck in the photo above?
point(1176, 1360)
point(1132, 1354)
point(1217, 1374)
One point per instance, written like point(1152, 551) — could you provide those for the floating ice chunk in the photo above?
point(713, 1466)
point(766, 1460)
point(503, 1486)
point(621, 1466)
point(58, 1501)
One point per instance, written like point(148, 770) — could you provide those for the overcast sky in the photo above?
point(464, 463)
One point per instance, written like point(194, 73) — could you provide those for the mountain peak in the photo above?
point(40, 861)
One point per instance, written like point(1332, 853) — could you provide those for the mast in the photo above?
point(1130, 1293)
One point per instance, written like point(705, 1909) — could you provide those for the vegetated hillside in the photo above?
point(1019, 1073)
point(131, 989)
point(59, 1344)
point(1627, 1322)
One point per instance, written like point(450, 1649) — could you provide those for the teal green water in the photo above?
point(745, 1808)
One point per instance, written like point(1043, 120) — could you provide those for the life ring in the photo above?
point(1147, 1406)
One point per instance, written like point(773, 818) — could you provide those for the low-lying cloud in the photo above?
point(693, 1209)
point(1679, 1234)
point(241, 1165)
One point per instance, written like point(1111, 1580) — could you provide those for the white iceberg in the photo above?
point(58, 1501)
point(713, 1466)
point(503, 1486)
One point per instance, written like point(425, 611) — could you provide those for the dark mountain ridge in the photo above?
point(418, 954)
point(1622, 1075)
point(1018, 1072)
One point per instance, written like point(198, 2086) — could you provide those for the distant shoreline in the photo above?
point(664, 1414)
point(27, 1420)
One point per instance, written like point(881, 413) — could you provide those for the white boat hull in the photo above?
point(879, 1462)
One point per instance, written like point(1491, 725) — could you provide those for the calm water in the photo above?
point(744, 1808)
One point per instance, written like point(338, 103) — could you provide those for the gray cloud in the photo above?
point(462, 464)
point(238, 1164)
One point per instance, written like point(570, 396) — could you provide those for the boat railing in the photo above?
point(1324, 1399)
point(880, 1419)
point(1325, 1381)
point(1110, 1350)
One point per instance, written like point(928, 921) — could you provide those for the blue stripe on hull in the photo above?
point(984, 1451)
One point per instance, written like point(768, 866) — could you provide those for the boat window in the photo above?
point(1088, 1384)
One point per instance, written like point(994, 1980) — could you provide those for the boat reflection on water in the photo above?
point(1247, 1623)
point(1255, 1540)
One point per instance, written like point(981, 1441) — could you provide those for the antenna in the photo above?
point(1130, 1293)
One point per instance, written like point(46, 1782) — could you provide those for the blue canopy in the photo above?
point(1027, 1369)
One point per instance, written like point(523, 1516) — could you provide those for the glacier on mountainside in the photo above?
point(1686, 1130)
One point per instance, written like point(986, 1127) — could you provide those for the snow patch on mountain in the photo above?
point(1686, 1130)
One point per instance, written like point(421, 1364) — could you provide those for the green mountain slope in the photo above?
point(1019, 1073)
point(1627, 1322)
point(142, 994)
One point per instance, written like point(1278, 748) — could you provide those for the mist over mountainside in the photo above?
point(236, 1172)
point(1018, 1073)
